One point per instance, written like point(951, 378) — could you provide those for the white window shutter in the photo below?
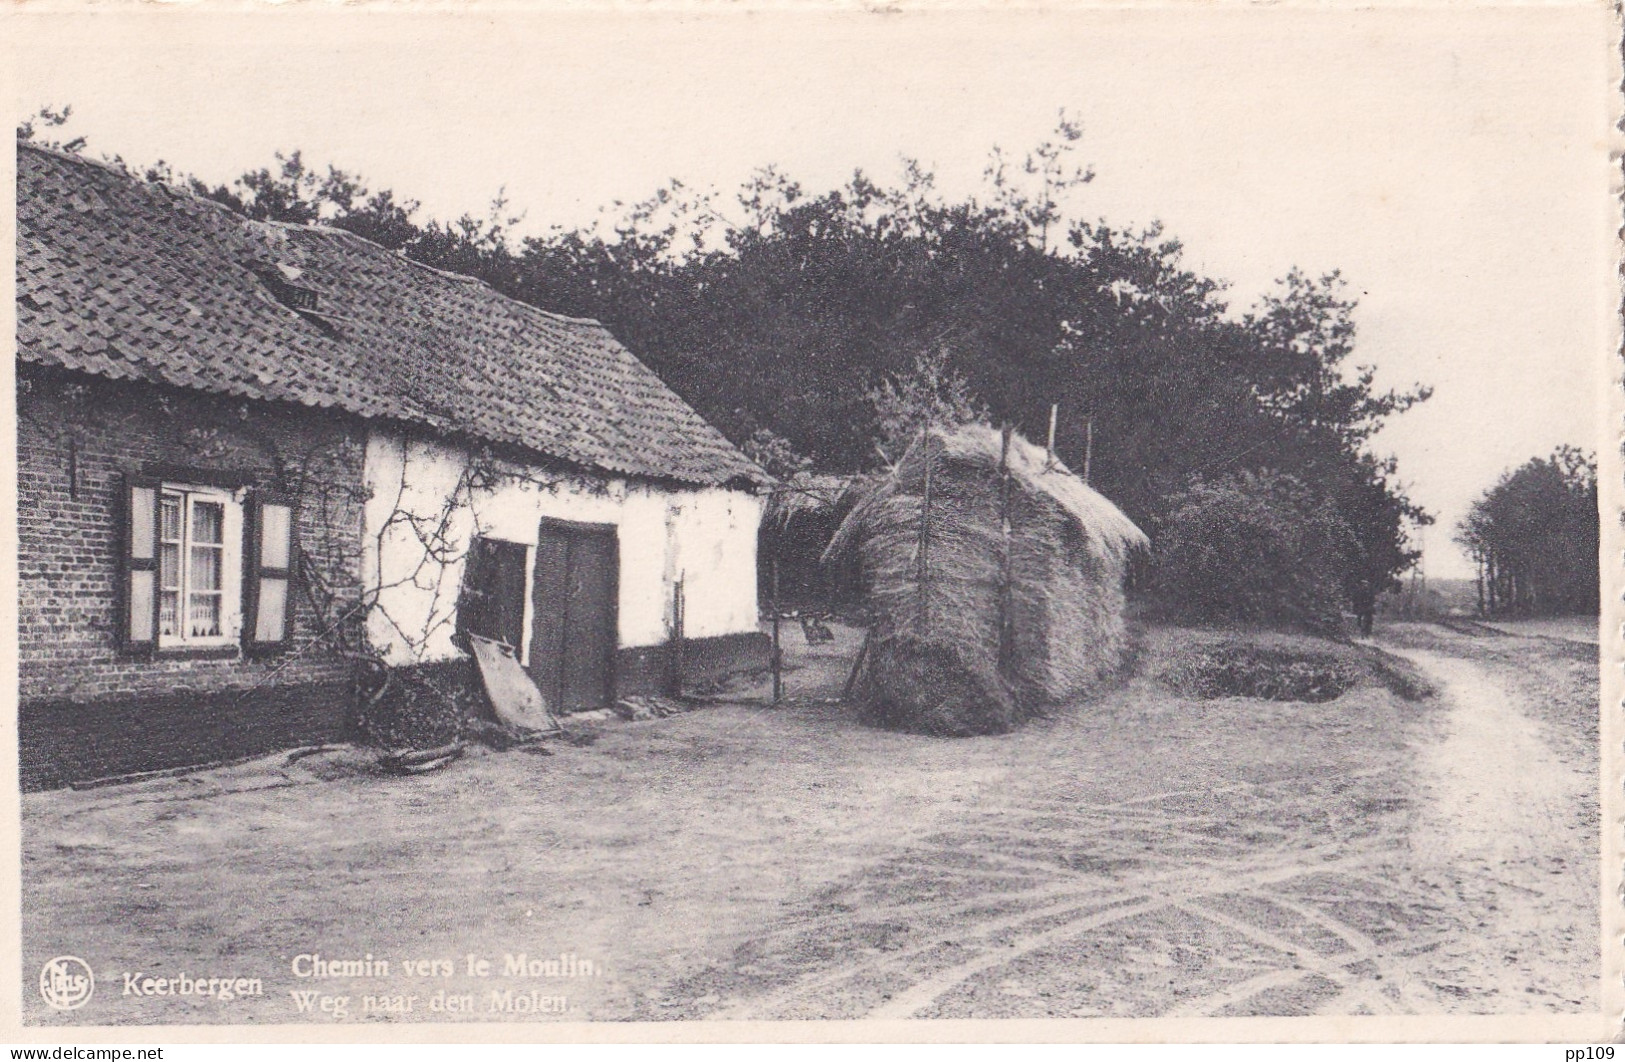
point(268, 566)
point(138, 577)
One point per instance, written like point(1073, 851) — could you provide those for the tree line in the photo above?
point(1534, 538)
point(784, 315)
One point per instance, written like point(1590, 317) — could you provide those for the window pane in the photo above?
point(169, 612)
point(274, 536)
point(208, 522)
point(206, 565)
point(169, 566)
point(141, 502)
point(203, 616)
point(271, 624)
point(141, 606)
point(170, 527)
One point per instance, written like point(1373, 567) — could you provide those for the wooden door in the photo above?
point(573, 636)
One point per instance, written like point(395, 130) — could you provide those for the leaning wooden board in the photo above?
point(513, 695)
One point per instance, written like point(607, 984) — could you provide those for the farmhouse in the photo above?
point(996, 580)
point(250, 453)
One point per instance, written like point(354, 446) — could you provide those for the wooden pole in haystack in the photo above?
point(1049, 451)
point(1006, 619)
point(1088, 447)
point(778, 668)
point(923, 583)
point(857, 667)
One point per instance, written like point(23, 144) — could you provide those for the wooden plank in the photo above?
point(513, 694)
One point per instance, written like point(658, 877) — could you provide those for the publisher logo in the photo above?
point(66, 983)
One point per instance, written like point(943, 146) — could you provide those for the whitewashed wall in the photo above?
point(707, 537)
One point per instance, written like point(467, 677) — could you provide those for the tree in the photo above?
point(768, 322)
point(812, 321)
point(1377, 512)
point(774, 453)
point(1303, 334)
point(929, 393)
point(1250, 547)
point(1039, 208)
point(1534, 537)
point(30, 129)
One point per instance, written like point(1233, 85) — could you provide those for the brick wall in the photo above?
point(76, 436)
point(648, 669)
point(63, 742)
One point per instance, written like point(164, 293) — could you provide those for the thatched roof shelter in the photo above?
point(976, 628)
point(807, 493)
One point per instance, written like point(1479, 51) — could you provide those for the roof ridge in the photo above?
point(122, 171)
point(324, 229)
point(453, 356)
point(118, 169)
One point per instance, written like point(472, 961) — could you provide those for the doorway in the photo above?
point(573, 633)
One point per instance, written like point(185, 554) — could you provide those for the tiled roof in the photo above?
point(140, 281)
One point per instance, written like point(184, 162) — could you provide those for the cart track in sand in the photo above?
point(1144, 854)
point(1497, 832)
point(1443, 882)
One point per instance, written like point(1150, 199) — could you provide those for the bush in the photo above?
point(1268, 674)
point(418, 707)
point(1249, 548)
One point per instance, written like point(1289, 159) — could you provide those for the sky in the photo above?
point(1452, 164)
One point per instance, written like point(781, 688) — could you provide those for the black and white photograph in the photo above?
point(1088, 522)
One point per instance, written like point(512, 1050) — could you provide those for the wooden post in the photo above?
point(778, 667)
point(923, 583)
point(678, 606)
point(1049, 451)
point(1006, 619)
point(1088, 446)
point(857, 667)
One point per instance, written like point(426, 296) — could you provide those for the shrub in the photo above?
point(1251, 548)
point(418, 707)
point(1268, 674)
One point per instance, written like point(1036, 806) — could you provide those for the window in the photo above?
point(205, 566)
point(192, 565)
point(492, 604)
point(285, 283)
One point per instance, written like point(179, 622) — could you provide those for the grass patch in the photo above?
point(1266, 674)
point(1400, 676)
point(1279, 667)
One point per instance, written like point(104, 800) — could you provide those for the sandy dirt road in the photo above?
point(1459, 876)
point(1507, 810)
point(1146, 854)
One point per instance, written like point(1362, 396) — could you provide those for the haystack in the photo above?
point(985, 629)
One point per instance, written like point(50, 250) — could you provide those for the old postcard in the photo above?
point(1075, 522)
